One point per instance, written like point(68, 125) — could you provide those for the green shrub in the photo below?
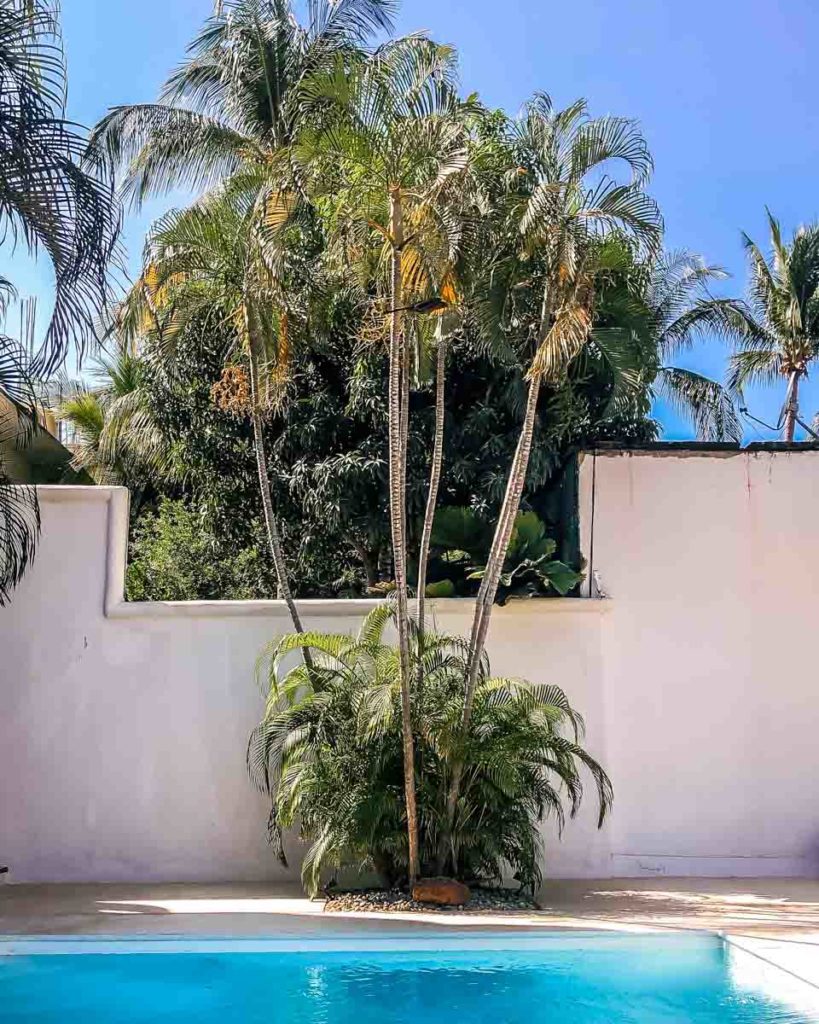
point(175, 557)
point(462, 539)
point(328, 753)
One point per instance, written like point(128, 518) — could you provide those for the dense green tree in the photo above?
point(175, 556)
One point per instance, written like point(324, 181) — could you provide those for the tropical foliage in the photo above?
point(329, 753)
point(331, 172)
point(529, 568)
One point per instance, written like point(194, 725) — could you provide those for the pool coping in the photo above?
point(443, 941)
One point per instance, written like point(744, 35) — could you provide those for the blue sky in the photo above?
point(725, 91)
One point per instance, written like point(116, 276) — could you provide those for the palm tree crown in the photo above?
point(234, 103)
point(777, 334)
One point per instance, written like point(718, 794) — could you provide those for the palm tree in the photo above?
point(560, 203)
point(219, 256)
point(48, 203)
point(19, 511)
point(438, 275)
point(328, 753)
point(116, 439)
point(435, 468)
point(389, 133)
point(658, 308)
point(234, 104)
point(776, 335)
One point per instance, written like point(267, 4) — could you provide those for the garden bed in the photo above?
point(481, 901)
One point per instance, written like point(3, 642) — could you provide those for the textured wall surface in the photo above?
point(123, 727)
point(710, 686)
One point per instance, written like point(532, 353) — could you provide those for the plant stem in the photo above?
point(271, 524)
point(432, 495)
point(398, 426)
point(484, 602)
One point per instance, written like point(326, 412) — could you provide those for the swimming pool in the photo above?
point(584, 978)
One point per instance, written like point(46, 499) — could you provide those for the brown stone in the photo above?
point(445, 892)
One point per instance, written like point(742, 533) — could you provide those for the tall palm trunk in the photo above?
point(432, 494)
point(398, 425)
point(271, 524)
point(486, 599)
point(791, 406)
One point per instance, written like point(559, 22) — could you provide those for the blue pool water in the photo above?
point(579, 980)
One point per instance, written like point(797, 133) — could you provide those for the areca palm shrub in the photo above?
point(387, 134)
point(328, 753)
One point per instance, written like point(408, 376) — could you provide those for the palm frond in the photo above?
point(47, 202)
point(19, 532)
point(165, 148)
point(704, 402)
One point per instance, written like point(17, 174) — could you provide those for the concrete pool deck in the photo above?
point(760, 909)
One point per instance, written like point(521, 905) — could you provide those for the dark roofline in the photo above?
point(701, 447)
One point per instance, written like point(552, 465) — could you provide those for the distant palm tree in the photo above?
point(776, 335)
point(662, 307)
point(48, 203)
point(116, 439)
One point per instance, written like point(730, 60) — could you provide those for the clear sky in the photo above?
point(725, 90)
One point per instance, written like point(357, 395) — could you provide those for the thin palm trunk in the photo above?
point(791, 406)
point(434, 482)
point(398, 425)
point(500, 543)
point(271, 524)
point(485, 600)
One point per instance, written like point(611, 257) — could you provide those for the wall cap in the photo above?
point(116, 607)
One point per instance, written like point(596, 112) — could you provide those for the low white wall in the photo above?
point(123, 727)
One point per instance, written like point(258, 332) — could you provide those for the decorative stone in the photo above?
point(481, 901)
point(444, 892)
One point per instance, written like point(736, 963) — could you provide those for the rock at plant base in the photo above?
point(445, 892)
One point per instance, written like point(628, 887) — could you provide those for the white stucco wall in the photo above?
point(711, 564)
point(123, 727)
